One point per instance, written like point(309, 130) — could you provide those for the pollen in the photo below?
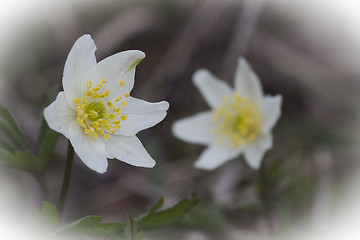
point(236, 122)
point(98, 111)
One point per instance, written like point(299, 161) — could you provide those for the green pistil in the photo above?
point(98, 107)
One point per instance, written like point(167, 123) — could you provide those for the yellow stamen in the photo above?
point(98, 87)
point(95, 136)
point(110, 104)
point(96, 116)
point(237, 121)
point(95, 95)
point(89, 92)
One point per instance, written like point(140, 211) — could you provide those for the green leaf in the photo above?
point(91, 226)
point(24, 160)
point(130, 229)
point(51, 212)
point(47, 146)
point(208, 217)
point(140, 236)
point(157, 205)
point(127, 228)
point(11, 128)
point(48, 216)
point(157, 219)
point(4, 146)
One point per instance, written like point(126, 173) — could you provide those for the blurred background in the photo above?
point(307, 51)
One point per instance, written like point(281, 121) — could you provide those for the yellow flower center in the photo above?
point(97, 117)
point(237, 121)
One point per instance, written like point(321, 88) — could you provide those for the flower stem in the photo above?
point(67, 177)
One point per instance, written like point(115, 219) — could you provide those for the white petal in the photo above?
point(212, 88)
point(129, 150)
point(255, 152)
point(59, 115)
point(247, 83)
point(271, 110)
point(91, 152)
point(215, 156)
point(141, 115)
point(120, 66)
point(195, 129)
point(79, 65)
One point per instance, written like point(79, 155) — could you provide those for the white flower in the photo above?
point(240, 121)
point(96, 112)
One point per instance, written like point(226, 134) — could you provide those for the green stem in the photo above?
point(67, 177)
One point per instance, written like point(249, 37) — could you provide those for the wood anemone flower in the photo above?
point(96, 112)
point(239, 122)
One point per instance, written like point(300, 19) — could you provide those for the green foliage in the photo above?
point(156, 218)
point(208, 217)
point(11, 128)
point(23, 160)
point(92, 226)
point(4, 146)
point(130, 229)
point(14, 150)
point(49, 216)
point(47, 146)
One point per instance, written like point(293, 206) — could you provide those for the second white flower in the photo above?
point(240, 120)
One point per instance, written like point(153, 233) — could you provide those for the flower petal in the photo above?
point(129, 150)
point(195, 129)
point(271, 109)
point(91, 152)
point(212, 88)
point(59, 115)
point(247, 83)
point(141, 115)
point(119, 67)
point(79, 65)
point(255, 152)
point(215, 156)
